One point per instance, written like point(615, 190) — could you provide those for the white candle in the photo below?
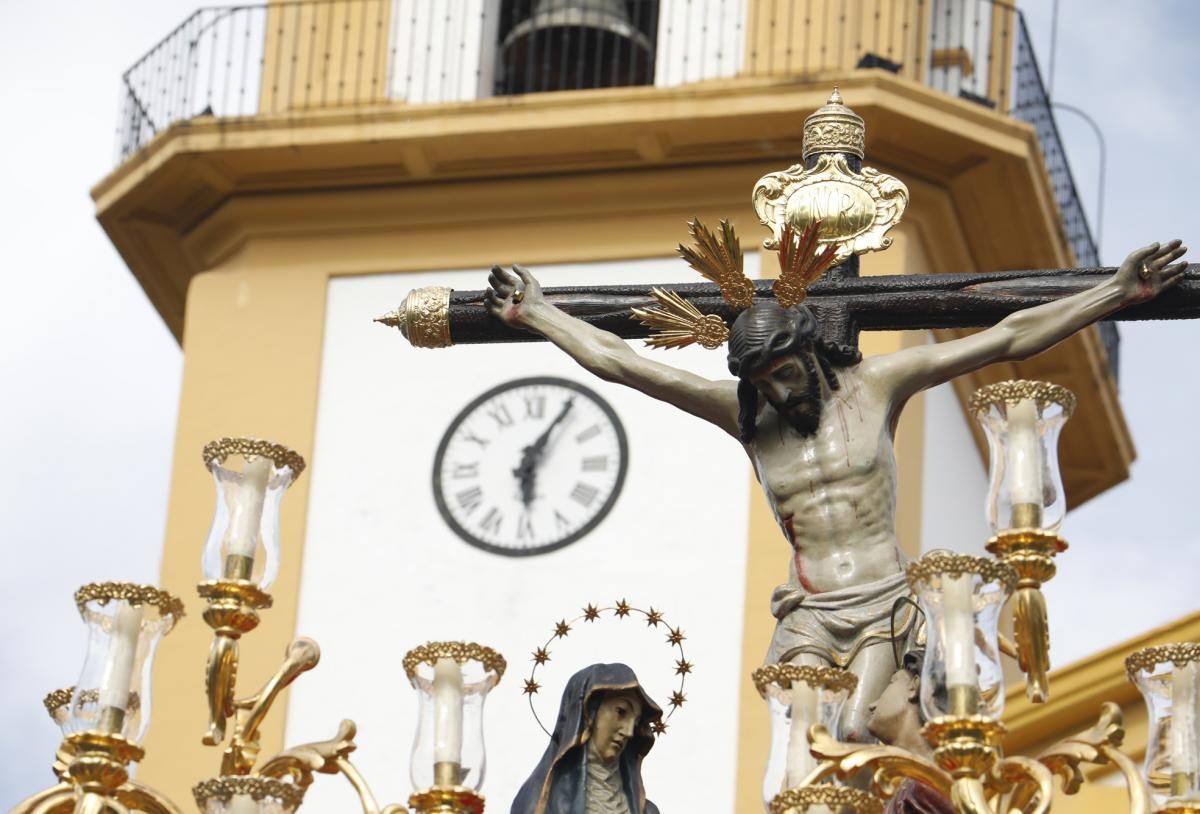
point(447, 711)
point(247, 513)
point(1024, 454)
point(242, 804)
point(122, 652)
point(1185, 740)
point(805, 706)
point(960, 632)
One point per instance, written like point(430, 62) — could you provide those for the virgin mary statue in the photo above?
point(593, 764)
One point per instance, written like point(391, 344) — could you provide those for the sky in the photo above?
point(91, 376)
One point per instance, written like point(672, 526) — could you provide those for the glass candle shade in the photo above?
point(798, 696)
point(1169, 679)
point(452, 680)
point(125, 624)
point(251, 477)
point(1022, 421)
point(247, 795)
point(961, 597)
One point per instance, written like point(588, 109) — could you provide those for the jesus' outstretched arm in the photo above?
point(516, 299)
point(1144, 274)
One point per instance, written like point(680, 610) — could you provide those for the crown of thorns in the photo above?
point(676, 323)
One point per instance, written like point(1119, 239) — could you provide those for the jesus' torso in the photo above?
point(834, 493)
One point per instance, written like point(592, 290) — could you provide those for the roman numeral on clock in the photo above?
point(596, 463)
point(491, 521)
point(469, 499)
point(524, 527)
point(561, 522)
point(584, 494)
point(588, 434)
point(535, 406)
point(500, 415)
point(475, 439)
point(461, 471)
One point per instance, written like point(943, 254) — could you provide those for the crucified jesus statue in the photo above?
point(818, 422)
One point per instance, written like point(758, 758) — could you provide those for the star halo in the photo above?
point(619, 611)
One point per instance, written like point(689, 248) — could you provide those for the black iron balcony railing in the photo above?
point(300, 55)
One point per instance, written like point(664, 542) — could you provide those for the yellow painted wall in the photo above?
point(324, 55)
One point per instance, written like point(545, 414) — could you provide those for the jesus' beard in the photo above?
point(803, 413)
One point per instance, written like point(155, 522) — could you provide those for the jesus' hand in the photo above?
point(1148, 272)
point(512, 296)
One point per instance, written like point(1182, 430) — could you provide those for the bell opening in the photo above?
point(549, 45)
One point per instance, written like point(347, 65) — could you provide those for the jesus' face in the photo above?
point(790, 383)
point(615, 722)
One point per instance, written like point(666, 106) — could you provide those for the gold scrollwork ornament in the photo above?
point(855, 209)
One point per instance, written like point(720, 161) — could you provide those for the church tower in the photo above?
point(289, 171)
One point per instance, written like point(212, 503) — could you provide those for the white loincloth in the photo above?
point(837, 625)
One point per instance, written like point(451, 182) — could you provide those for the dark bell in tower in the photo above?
point(575, 45)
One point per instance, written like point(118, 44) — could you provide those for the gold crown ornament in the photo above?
point(818, 217)
point(834, 128)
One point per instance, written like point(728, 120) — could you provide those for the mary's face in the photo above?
point(615, 722)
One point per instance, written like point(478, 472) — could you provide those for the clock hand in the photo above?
point(531, 456)
point(540, 444)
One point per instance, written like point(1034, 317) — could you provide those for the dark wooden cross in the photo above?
point(843, 302)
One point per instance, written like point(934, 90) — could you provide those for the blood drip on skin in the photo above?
point(789, 531)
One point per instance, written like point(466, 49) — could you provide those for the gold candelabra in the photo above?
point(105, 715)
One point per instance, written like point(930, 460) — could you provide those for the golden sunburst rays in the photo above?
point(619, 610)
point(674, 321)
point(800, 263)
point(719, 260)
point(677, 323)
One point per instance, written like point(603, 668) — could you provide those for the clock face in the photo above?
point(530, 466)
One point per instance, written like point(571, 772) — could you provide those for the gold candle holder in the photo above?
point(241, 555)
point(1026, 505)
point(798, 696)
point(1031, 554)
point(826, 798)
point(232, 611)
point(452, 680)
point(965, 745)
point(1168, 676)
point(446, 800)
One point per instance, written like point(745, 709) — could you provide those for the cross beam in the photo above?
point(844, 305)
